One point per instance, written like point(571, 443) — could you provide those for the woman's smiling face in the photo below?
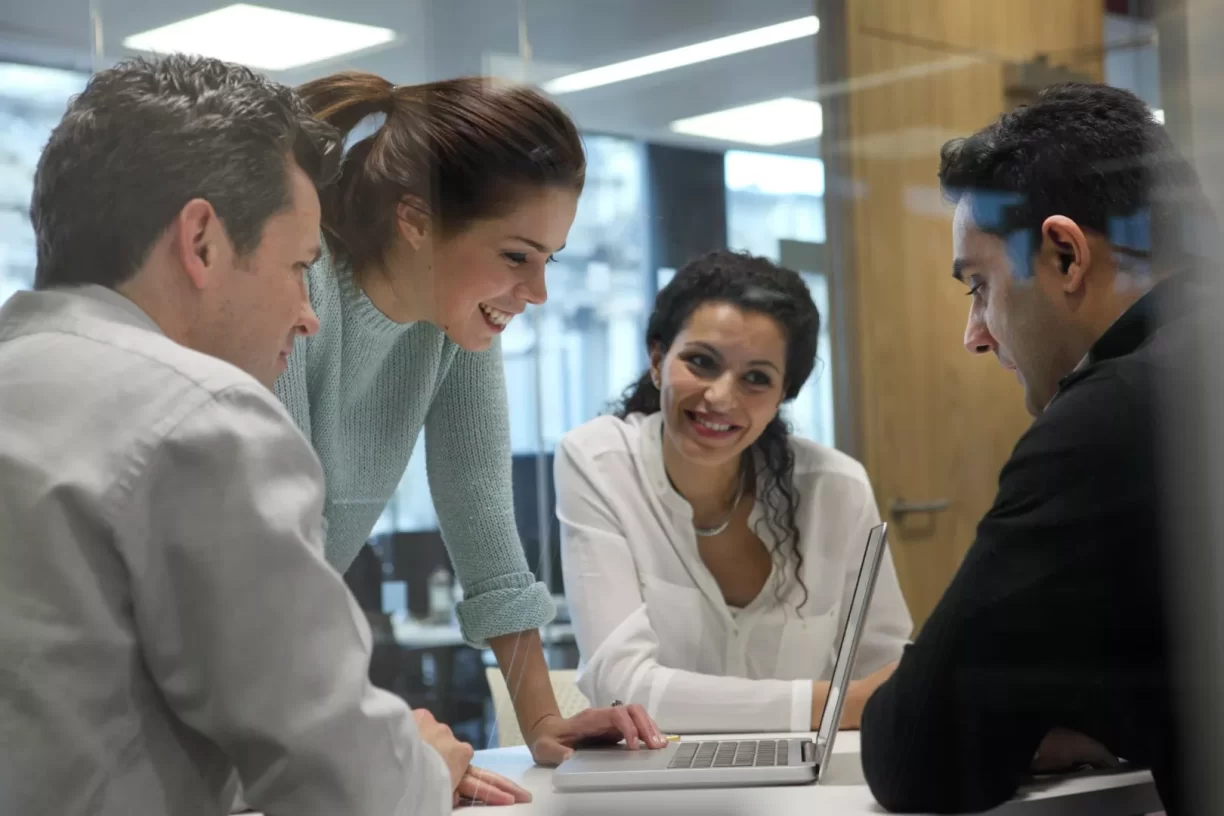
point(721, 382)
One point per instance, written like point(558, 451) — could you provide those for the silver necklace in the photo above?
point(707, 532)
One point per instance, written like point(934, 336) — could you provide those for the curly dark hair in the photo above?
point(756, 285)
point(1092, 153)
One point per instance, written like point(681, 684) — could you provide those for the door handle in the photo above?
point(900, 508)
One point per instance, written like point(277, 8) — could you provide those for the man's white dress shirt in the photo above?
point(166, 614)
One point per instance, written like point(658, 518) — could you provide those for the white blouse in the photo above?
point(651, 623)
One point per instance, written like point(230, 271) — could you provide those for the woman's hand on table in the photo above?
point(554, 738)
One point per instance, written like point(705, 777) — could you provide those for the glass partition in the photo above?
point(804, 131)
point(32, 100)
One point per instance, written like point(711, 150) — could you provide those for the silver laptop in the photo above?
point(736, 763)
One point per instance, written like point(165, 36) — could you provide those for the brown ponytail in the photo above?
point(343, 100)
point(467, 147)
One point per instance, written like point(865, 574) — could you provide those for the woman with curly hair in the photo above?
point(709, 555)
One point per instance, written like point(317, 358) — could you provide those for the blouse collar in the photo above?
point(650, 453)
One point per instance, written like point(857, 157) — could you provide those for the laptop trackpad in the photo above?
point(614, 758)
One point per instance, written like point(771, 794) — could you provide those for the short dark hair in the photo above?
point(1090, 152)
point(467, 147)
point(147, 136)
point(755, 285)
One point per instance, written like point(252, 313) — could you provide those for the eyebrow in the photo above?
point(718, 354)
point(536, 245)
point(959, 266)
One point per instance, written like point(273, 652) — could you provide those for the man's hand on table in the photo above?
point(471, 784)
point(481, 787)
point(1063, 751)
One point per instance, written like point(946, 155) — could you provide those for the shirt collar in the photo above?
point(1167, 300)
point(66, 306)
point(121, 303)
point(650, 441)
point(650, 450)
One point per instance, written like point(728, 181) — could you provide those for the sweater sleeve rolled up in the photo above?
point(467, 448)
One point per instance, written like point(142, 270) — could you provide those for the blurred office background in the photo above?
point(803, 130)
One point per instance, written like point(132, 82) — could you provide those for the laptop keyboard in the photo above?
point(731, 754)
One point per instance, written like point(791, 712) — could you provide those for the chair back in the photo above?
point(565, 686)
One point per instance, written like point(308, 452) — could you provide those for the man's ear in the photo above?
point(413, 222)
point(200, 241)
point(1064, 244)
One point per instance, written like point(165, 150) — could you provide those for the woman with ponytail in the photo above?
point(710, 556)
point(452, 197)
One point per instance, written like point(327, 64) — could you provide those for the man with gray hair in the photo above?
point(166, 614)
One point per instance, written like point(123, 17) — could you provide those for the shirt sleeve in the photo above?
point(467, 449)
point(253, 640)
point(1018, 643)
point(619, 645)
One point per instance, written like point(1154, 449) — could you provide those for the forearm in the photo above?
point(689, 702)
point(467, 443)
point(939, 737)
point(820, 695)
point(857, 695)
point(521, 658)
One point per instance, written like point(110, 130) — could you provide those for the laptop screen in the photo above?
point(873, 555)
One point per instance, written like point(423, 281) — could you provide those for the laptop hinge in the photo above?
point(809, 751)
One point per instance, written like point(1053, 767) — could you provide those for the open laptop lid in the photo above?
point(873, 556)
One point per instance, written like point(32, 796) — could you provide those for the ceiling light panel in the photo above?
point(768, 124)
point(686, 55)
point(262, 38)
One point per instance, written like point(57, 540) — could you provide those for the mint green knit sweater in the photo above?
point(361, 390)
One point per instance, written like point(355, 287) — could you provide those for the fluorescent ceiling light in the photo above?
point(1158, 115)
point(775, 122)
point(687, 55)
point(774, 173)
point(262, 38)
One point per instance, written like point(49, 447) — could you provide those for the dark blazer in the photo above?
point(1057, 616)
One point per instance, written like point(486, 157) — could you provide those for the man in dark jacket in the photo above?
point(1054, 633)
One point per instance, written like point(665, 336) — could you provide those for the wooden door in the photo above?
point(934, 423)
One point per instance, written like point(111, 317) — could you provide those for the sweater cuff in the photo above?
point(502, 606)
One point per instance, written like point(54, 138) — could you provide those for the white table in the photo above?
point(841, 793)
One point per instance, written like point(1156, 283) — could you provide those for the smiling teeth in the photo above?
point(713, 426)
point(496, 316)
